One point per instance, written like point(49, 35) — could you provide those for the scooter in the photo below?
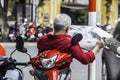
point(51, 64)
point(40, 31)
point(110, 59)
point(31, 32)
point(22, 31)
point(48, 29)
point(12, 33)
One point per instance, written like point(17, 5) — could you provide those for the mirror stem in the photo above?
point(29, 55)
point(12, 53)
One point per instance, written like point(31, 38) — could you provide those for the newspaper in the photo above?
point(91, 35)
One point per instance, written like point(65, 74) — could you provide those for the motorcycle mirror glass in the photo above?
point(76, 38)
point(118, 50)
point(20, 44)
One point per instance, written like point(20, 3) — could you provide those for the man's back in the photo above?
point(59, 42)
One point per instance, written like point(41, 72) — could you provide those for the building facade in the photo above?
point(33, 11)
point(48, 10)
point(24, 11)
point(109, 11)
point(78, 11)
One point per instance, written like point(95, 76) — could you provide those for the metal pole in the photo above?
point(51, 10)
point(92, 22)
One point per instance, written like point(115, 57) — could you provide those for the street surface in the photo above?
point(79, 71)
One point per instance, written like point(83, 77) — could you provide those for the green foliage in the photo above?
point(16, 0)
point(41, 3)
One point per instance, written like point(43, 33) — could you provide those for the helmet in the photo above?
point(2, 51)
point(62, 20)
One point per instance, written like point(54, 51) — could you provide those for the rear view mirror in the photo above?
point(76, 38)
point(20, 44)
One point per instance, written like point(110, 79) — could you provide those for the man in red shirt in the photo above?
point(61, 41)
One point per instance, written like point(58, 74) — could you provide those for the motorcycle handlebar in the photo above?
point(23, 64)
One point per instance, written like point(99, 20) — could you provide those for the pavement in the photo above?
point(13, 43)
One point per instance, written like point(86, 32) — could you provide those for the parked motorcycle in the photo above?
point(22, 31)
point(31, 32)
point(12, 33)
point(51, 64)
point(48, 29)
point(40, 31)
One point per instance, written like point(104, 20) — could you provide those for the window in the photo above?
point(79, 16)
point(19, 13)
point(28, 13)
point(24, 11)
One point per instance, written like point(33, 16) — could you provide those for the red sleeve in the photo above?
point(80, 55)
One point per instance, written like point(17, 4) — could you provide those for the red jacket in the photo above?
point(63, 43)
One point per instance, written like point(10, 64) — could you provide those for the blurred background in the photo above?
point(29, 18)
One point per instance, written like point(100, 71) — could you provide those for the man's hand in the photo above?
point(99, 45)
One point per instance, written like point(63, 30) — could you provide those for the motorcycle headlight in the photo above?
point(48, 63)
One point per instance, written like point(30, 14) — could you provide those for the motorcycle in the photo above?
point(9, 67)
point(43, 30)
point(31, 32)
point(9, 71)
point(110, 59)
point(48, 29)
point(12, 33)
point(51, 64)
point(22, 30)
point(40, 31)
